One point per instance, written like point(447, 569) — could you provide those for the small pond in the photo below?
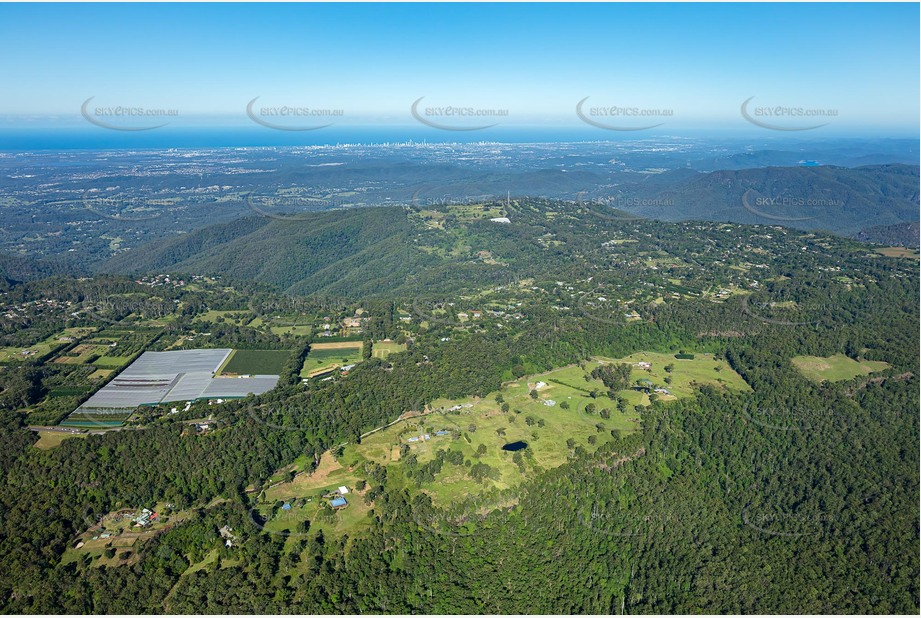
point(515, 446)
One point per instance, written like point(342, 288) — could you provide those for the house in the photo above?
point(662, 391)
point(643, 365)
point(343, 490)
point(549, 403)
point(225, 532)
point(644, 385)
point(338, 503)
point(476, 314)
point(143, 518)
point(500, 220)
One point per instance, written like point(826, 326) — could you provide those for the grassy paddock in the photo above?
point(835, 368)
point(899, 252)
point(383, 349)
point(326, 356)
point(50, 439)
point(478, 429)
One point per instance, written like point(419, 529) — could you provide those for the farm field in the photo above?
point(255, 362)
point(326, 356)
point(383, 349)
point(82, 353)
point(564, 416)
point(899, 252)
point(111, 362)
point(96, 421)
point(835, 368)
point(128, 342)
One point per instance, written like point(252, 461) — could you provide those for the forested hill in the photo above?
point(408, 251)
point(899, 235)
point(357, 251)
point(17, 268)
point(836, 199)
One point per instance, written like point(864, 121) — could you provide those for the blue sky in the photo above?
point(535, 61)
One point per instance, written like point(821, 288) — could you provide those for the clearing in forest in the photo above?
point(835, 368)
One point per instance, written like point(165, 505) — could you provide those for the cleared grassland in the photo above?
point(383, 349)
point(297, 330)
point(478, 429)
point(326, 356)
point(212, 315)
point(327, 477)
point(899, 252)
point(51, 439)
point(835, 368)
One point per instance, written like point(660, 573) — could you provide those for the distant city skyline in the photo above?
point(440, 69)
